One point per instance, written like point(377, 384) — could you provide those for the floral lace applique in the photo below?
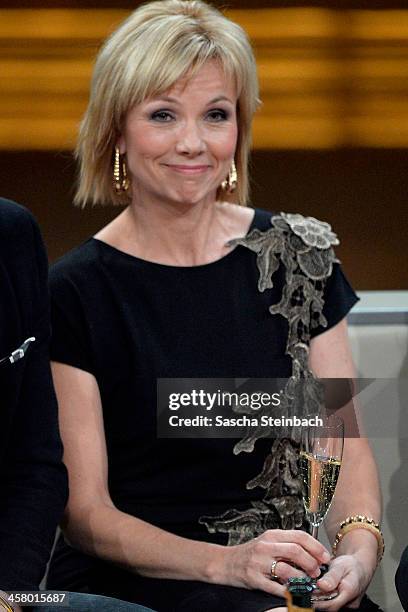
point(303, 245)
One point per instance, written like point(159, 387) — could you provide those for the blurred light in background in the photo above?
point(329, 78)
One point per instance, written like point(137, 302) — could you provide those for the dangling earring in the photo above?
point(120, 178)
point(230, 183)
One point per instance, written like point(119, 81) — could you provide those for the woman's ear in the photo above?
point(121, 144)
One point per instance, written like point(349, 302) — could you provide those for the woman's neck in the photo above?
point(181, 236)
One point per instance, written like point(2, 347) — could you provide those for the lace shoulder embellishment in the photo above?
point(297, 241)
point(313, 232)
point(304, 246)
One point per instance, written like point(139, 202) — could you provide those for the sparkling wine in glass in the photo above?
point(321, 453)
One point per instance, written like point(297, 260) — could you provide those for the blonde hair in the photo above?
point(159, 43)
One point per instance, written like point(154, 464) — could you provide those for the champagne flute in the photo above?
point(321, 452)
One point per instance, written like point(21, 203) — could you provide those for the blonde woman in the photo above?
point(162, 292)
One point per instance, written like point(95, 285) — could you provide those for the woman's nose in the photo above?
point(190, 140)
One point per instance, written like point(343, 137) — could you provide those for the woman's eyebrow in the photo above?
point(176, 101)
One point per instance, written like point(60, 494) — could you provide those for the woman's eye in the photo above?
point(162, 116)
point(218, 115)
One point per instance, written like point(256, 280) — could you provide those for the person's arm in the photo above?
point(94, 525)
point(358, 490)
point(34, 480)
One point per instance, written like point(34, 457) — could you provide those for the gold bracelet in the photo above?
point(360, 521)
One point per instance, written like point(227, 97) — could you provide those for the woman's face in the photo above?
point(179, 146)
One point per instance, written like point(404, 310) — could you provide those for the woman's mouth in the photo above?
point(188, 169)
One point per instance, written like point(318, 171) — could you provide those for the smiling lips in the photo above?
point(186, 169)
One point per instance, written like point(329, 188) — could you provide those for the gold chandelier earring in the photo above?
point(120, 179)
point(231, 182)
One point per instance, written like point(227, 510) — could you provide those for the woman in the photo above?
point(161, 292)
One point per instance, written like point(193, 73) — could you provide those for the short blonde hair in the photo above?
point(159, 43)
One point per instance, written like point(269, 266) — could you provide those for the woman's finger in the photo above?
point(269, 586)
point(283, 571)
point(348, 591)
point(332, 578)
point(303, 539)
point(295, 555)
point(334, 605)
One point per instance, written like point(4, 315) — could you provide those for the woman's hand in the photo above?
point(350, 576)
point(249, 565)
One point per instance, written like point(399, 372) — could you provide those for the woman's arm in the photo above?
point(94, 525)
point(358, 490)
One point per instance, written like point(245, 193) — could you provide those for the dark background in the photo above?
point(363, 193)
point(245, 4)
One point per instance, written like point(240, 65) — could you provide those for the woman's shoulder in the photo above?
point(262, 219)
point(245, 218)
point(313, 232)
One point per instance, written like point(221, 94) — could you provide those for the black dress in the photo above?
point(128, 322)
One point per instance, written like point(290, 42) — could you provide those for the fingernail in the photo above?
point(326, 557)
point(327, 583)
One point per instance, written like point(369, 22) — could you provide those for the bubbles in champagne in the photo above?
point(319, 476)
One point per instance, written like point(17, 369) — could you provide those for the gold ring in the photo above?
point(5, 605)
point(273, 569)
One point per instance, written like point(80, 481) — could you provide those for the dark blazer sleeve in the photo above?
point(401, 579)
point(33, 479)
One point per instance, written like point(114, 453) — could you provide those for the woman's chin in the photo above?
point(191, 198)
